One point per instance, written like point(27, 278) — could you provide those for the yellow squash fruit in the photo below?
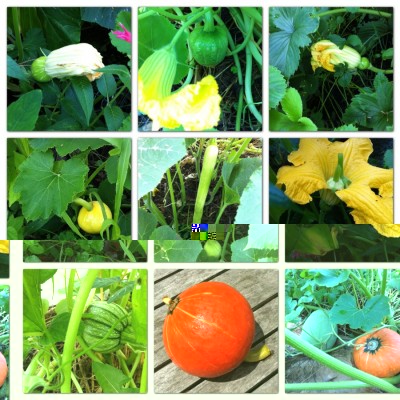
point(91, 221)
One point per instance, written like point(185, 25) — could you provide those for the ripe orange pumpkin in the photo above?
point(3, 369)
point(209, 329)
point(378, 353)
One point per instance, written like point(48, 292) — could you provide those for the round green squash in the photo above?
point(208, 48)
point(100, 317)
point(319, 330)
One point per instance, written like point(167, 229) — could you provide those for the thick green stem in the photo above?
point(248, 84)
point(73, 326)
point(361, 284)
point(83, 203)
point(182, 183)
point(209, 21)
point(172, 197)
point(360, 10)
point(384, 71)
point(313, 352)
point(384, 280)
point(17, 32)
point(338, 385)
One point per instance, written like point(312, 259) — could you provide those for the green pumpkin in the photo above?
point(208, 48)
point(100, 317)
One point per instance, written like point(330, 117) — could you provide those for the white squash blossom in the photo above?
point(80, 59)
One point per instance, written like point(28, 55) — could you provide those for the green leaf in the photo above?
point(155, 155)
point(84, 92)
point(294, 25)
point(114, 117)
point(121, 45)
point(58, 327)
point(236, 177)
point(346, 128)
point(45, 192)
point(110, 379)
point(372, 110)
point(106, 85)
point(250, 207)
point(62, 25)
point(292, 104)
point(14, 70)
point(104, 16)
point(164, 233)
point(126, 125)
point(155, 32)
point(317, 239)
point(66, 146)
point(33, 42)
point(345, 311)
point(387, 54)
point(262, 236)
point(330, 277)
point(121, 71)
point(239, 254)
point(23, 113)
point(112, 172)
point(338, 40)
point(277, 86)
point(388, 159)
point(176, 250)
point(279, 122)
point(32, 302)
point(147, 222)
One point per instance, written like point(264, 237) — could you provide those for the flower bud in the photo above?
point(74, 60)
point(38, 71)
point(327, 54)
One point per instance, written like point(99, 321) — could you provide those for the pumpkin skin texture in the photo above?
point(209, 329)
point(3, 369)
point(378, 353)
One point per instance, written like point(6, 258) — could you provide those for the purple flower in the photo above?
point(125, 35)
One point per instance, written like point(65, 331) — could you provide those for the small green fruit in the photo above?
point(364, 63)
point(38, 71)
point(213, 250)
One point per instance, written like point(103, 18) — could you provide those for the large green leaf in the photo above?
point(346, 311)
point(106, 85)
point(66, 146)
point(104, 16)
point(47, 188)
point(176, 250)
point(241, 253)
point(111, 379)
point(23, 113)
point(155, 32)
point(33, 43)
point(277, 86)
point(373, 110)
point(164, 232)
point(262, 236)
point(84, 92)
point(155, 156)
point(292, 104)
point(294, 25)
point(250, 207)
point(32, 302)
point(62, 25)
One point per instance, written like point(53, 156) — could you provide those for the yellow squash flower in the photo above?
point(351, 179)
point(196, 107)
point(5, 246)
point(326, 54)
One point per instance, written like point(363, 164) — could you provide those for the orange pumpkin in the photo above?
point(378, 353)
point(209, 329)
point(3, 369)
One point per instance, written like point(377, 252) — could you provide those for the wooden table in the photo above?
point(260, 287)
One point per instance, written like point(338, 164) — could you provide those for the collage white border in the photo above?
point(17, 265)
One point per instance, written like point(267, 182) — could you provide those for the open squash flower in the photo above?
point(5, 246)
point(340, 172)
point(80, 59)
point(327, 55)
point(195, 107)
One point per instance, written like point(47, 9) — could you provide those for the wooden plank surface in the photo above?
point(260, 287)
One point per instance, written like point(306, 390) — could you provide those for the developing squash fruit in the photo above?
point(209, 329)
point(91, 221)
point(208, 48)
point(378, 353)
point(108, 321)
